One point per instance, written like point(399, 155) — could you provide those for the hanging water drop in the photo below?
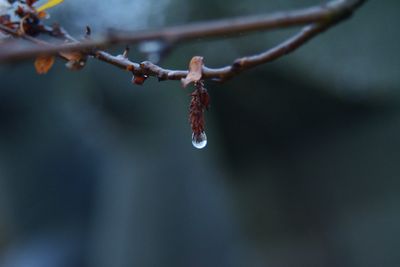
point(199, 141)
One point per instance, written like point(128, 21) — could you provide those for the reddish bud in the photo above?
point(20, 11)
point(139, 79)
point(30, 2)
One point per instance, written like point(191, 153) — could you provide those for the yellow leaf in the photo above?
point(49, 4)
point(43, 64)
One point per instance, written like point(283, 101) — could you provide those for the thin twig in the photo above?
point(319, 19)
point(217, 74)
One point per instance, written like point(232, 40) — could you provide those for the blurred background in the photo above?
point(301, 168)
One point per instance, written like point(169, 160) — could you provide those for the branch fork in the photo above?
point(315, 20)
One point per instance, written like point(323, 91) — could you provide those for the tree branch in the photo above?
point(318, 19)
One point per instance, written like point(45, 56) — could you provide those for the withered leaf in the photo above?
point(76, 60)
point(72, 56)
point(42, 15)
point(43, 64)
point(195, 71)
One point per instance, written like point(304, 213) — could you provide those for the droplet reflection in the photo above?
point(199, 141)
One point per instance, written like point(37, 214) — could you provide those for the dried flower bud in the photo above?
point(139, 79)
point(199, 102)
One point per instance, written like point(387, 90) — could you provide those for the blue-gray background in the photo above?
point(302, 166)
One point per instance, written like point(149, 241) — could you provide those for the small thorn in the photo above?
point(126, 52)
point(88, 31)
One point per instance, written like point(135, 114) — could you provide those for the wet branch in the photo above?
point(317, 19)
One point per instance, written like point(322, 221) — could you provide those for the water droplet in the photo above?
point(199, 141)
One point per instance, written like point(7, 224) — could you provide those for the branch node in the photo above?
point(237, 65)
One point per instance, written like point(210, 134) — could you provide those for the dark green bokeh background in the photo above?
point(301, 169)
